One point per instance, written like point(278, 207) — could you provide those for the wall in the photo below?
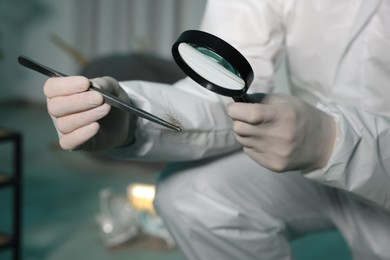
point(26, 27)
point(140, 25)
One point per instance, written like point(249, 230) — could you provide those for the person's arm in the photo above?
point(255, 28)
point(343, 147)
point(360, 162)
point(252, 26)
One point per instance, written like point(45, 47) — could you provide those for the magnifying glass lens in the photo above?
point(211, 66)
point(216, 58)
point(214, 64)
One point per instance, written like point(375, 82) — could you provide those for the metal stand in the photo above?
point(13, 180)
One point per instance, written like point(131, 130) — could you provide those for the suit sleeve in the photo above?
point(254, 28)
point(360, 162)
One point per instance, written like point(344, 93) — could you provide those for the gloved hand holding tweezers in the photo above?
point(84, 119)
point(89, 123)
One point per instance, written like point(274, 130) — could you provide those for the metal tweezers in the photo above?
point(108, 98)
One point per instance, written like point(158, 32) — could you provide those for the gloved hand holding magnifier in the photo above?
point(214, 64)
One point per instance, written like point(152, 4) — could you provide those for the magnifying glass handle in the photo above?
point(250, 98)
point(243, 99)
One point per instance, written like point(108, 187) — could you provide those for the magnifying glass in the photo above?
point(214, 64)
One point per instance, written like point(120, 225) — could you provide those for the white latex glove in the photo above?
point(82, 120)
point(284, 133)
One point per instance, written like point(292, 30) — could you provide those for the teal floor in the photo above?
point(60, 199)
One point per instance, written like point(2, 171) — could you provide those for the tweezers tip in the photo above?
point(177, 128)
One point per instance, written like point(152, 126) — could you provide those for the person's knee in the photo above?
point(211, 196)
point(174, 183)
point(165, 197)
point(186, 192)
point(206, 209)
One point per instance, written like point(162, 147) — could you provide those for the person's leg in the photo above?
point(232, 208)
point(366, 228)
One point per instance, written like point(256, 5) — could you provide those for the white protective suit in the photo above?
point(226, 206)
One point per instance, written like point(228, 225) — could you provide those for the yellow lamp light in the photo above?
point(141, 196)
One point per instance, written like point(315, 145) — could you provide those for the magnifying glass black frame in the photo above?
point(223, 49)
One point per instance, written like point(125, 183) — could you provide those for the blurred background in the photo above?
point(63, 193)
point(67, 35)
